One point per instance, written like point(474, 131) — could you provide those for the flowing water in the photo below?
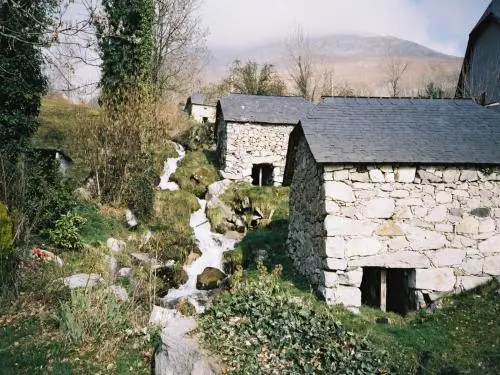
point(212, 245)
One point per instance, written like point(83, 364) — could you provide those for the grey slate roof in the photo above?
point(197, 98)
point(386, 130)
point(493, 10)
point(263, 109)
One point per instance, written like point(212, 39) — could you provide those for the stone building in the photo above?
point(394, 202)
point(252, 135)
point(480, 74)
point(200, 108)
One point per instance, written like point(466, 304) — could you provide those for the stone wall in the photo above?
point(200, 111)
point(307, 214)
point(442, 222)
point(249, 144)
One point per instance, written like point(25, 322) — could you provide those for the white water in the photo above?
point(212, 245)
point(170, 166)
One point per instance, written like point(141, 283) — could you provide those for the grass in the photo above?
point(99, 226)
point(196, 172)
point(165, 152)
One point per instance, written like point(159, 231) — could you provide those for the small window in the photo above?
point(262, 174)
point(204, 120)
point(388, 289)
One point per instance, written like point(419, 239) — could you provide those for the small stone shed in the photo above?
point(252, 135)
point(200, 108)
point(394, 202)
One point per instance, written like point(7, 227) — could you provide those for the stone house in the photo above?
point(200, 108)
point(394, 202)
point(480, 74)
point(252, 135)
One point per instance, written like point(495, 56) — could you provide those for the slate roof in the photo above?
point(198, 98)
point(263, 109)
point(492, 10)
point(386, 130)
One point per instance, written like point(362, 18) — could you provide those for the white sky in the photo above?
point(442, 25)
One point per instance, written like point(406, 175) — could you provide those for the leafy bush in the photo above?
point(66, 233)
point(199, 136)
point(5, 232)
point(91, 316)
point(196, 172)
point(258, 328)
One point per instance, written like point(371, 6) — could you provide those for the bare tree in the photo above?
point(309, 80)
point(180, 45)
point(395, 68)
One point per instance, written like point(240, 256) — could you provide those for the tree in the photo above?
point(251, 78)
point(179, 47)
point(395, 68)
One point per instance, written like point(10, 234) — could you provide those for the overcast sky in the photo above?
point(442, 25)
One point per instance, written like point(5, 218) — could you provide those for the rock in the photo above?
point(340, 226)
point(83, 280)
point(362, 247)
point(112, 267)
point(239, 224)
point(331, 207)
point(445, 228)
point(160, 316)
point(444, 197)
point(179, 353)
point(491, 245)
point(130, 218)
point(487, 226)
point(359, 177)
point(47, 256)
point(400, 194)
point(233, 235)
point(468, 175)
point(191, 258)
point(473, 266)
point(437, 214)
point(427, 176)
point(481, 212)
point(216, 190)
point(437, 279)
point(261, 255)
point(119, 292)
point(400, 259)
point(351, 278)
point(376, 175)
point(335, 264)
point(405, 174)
point(345, 295)
point(389, 228)
point(142, 258)
point(341, 175)
point(209, 279)
point(421, 239)
point(451, 175)
point(330, 279)
point(83, 194)
point(471, 282)
point(125, 272)
point(116, 246)
point(339, 191)
point(380, 208)
point(398, 243)
point(448, 257)
point(335, 247)
point(468, 225)
point(492, 265)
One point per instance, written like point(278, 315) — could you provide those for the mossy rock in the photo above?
point(5, 232)
point(231, 260)
point(185, 307)
point(172, 277)
point(209, 279)
point(196, 173)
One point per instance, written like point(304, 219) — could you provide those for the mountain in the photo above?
point(359, 60)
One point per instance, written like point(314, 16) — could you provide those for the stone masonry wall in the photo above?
point(248, 144)
point(442, 222)
point(200, 111)
point(307, 214)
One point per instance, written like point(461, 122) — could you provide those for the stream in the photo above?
point(212, 245)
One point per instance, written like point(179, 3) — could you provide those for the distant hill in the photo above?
point(359, 60)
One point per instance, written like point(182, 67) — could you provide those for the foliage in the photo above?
point(5, 232)
point(139, 187)
point(251, 78)
point(196, 172)
point(98, 226)
point(163, 153)
point(66, 233)
point(260, 328)
point(199, 136)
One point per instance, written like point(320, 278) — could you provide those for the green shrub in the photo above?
point(199, 136)
point(66, 233)
point(5, 232)
point(260, 329)
point(92, 316)
point(139, 188)
point(196, 172)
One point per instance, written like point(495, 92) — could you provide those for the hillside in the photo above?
point(358, 59)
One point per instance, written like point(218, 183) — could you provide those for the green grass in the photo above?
point(98, 227)
point(196, 172)
point(165, 152)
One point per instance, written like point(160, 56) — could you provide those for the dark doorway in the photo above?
point(262, 174)
point(388, 289)
point(204, 120)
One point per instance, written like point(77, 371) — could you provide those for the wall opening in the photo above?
point(388, 289)
point(262, 174)
point(204, 120)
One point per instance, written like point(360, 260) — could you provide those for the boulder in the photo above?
point(209, 279)
point(112, 267)
point(83, 280)
point(119, 292)
point(125, 272)
point(116, 246)
point(130, 218)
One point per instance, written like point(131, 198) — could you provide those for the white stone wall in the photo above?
point(200, 111)
point(248, 144)
point(442, 222)
point(307, 214)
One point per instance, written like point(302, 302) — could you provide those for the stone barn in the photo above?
point(252, 135)
point(395, 202)
point(480, 74)
point(200, 108)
